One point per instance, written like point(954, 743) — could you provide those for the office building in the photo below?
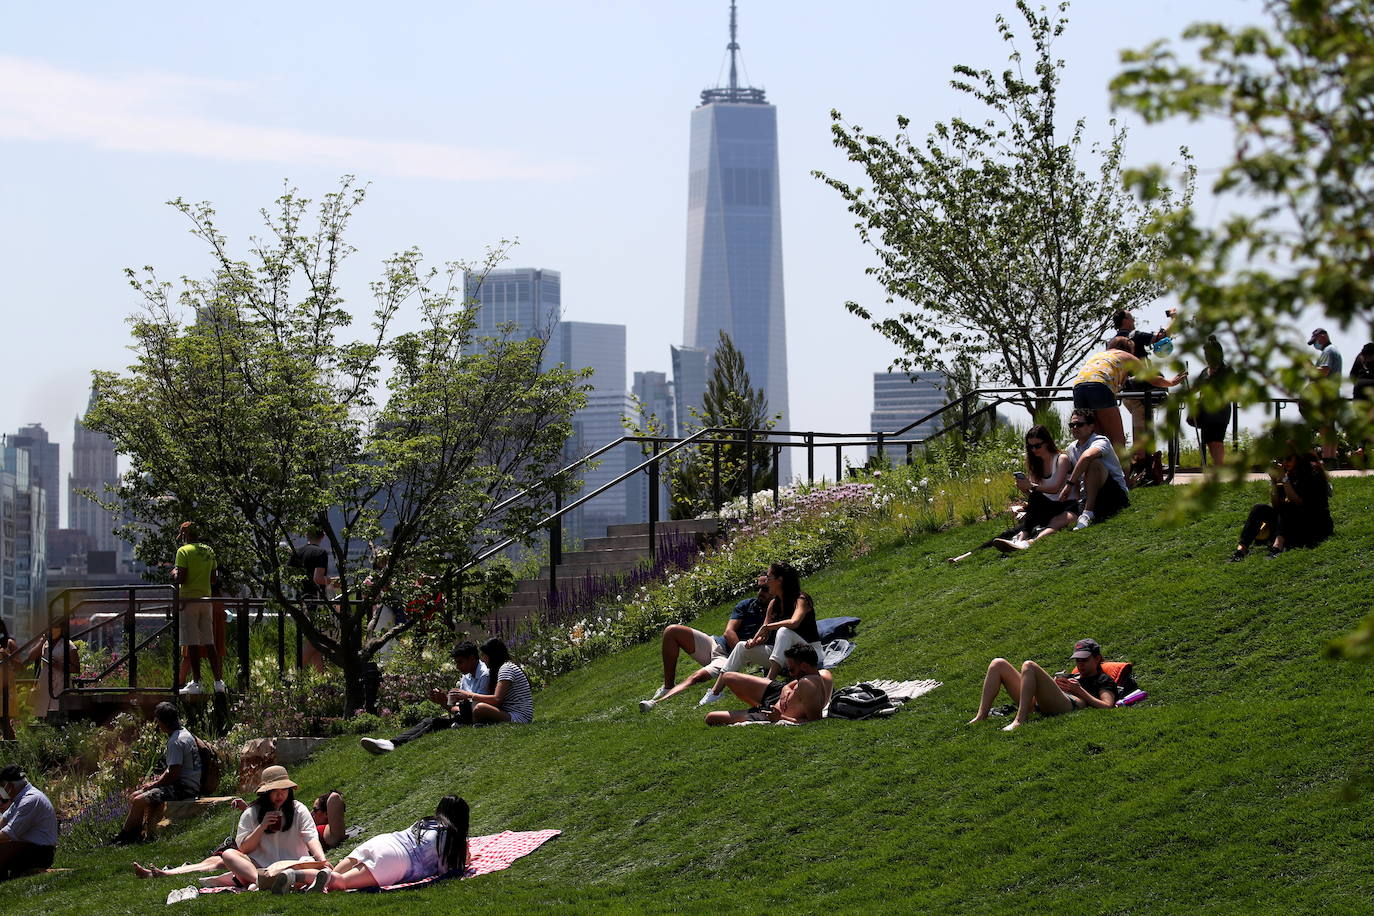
point(519, 302)
point(734, 235)
point(44, 459)
point(900, 398)
point(23, 543)
point(690, 366)
point(600, 347)
point(95, 469)
point(656, 403)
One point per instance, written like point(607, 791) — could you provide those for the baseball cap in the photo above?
point(1086, 648)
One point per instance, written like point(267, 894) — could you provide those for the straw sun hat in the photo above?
point(274, 777)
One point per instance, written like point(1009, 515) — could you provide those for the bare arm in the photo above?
point(731, 633)
point(799, 613)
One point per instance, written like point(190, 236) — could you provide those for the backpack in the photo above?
point(861, 701)
point(1146, 471)
point(209, 767)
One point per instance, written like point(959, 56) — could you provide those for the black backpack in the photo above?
point(861, 701)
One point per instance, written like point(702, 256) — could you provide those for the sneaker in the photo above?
point(220, 688)
point(190, 892)
point(320, 882)
point(1009, 545)
point(711, 697)
point(281, 883)
point(377, 745)
point(1240, 554)
point(1273, 553)
point(192, 689)
point(126, 839)
point(1084, 521)
point(646, 705)
point(658, 694)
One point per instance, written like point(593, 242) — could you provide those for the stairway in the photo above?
point(625, 548)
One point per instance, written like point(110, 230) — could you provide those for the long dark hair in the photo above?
point(1036, 462)
point(497, 655)
point(263, 803)
point(791, 586)
point(452, 816)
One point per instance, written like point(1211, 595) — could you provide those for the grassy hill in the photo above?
point(1222, 792)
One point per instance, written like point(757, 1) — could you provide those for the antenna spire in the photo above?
point(733, 47)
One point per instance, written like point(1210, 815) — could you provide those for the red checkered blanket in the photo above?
point(489, 853)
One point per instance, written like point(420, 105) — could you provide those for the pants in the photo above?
point(20, 858)
point(742, 656)
point(1298, 528)
point(422, 728)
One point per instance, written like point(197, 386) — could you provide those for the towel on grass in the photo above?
point(489, 853)
point(899, 692)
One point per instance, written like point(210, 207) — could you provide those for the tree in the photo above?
point(1007, 257)
point(731, 402)
point(1299, 97)
point(246, 410)
point(1300, 100)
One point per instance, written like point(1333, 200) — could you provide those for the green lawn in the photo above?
point(1221, 793)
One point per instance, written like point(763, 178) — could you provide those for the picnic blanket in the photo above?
point(899, 692)
point(494, 852)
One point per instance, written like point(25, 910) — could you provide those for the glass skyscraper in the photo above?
point(522, 301)
point(734, 234)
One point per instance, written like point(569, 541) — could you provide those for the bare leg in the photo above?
point(1109, 425)
point(747, 687)
point(1038, 689)
point(355, 876)
point(138, 810)
point(724, 717)
point(1000, 674)
point(487, 714)
point(240, 866)
point(696, 677)
point(676, 638)
point(1216, 453)
point(334, 817)
point(208, 864)
point(741, 655)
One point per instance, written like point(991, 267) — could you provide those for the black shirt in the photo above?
point(1097, 684)
point(308, 559)
point(1143, 342)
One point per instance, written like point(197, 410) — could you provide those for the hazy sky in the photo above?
point(561, 124)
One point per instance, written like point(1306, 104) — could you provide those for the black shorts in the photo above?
point(1212, 432)
point(1111, 499)
point(160, 795)
point(1094, 396)
point(28, 857)
point(771, 694)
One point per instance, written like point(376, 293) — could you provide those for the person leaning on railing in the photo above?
point(1101, 379)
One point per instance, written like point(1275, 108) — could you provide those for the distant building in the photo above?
point(523, 302)
point(23, 543)
point(95, 468)
point(734, 236)
point(656, 399)
point(689, 386)
point(44, 467)
point(900, 398)
point(600, 347)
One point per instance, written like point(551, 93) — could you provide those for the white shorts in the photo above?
point(197, 623)
point(708, 653)
point(386, 858)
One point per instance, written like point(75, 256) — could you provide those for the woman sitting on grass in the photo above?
point(430, 847)
point(327, 813)
point(276, 836)
point(1299, 511)
point(1047, 470)
point(511, 698)
point(1032, 688)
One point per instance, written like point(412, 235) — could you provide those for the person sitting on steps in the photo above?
point(711, 652)
point(179, 781)
point(1033, 688)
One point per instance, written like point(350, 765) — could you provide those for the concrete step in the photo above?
point(693, 526)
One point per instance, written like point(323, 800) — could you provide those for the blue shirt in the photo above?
point(478, 681)
point(30, 818)
point(750, 613)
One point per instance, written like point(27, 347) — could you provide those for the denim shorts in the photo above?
point(1094, 396)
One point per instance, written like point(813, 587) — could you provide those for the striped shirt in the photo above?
point(519, 702)
point(1110, 368)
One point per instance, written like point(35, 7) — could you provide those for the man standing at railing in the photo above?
point(195, 575)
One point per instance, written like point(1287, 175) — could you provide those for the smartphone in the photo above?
point(1019, 475)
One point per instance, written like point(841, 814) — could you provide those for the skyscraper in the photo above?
point(44, 457)
point(23, 539)
point(900, 398)
point(600, 347)
point(689, 387)
point(734, 234)
point(94, 467)
point(656, 398)
point(528, 298)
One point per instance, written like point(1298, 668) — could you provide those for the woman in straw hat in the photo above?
point(276, 837)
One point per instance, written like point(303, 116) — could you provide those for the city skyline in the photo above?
point(591, 182)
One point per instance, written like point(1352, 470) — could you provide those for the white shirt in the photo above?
point(284, 845)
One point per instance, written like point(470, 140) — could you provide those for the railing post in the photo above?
point(880, 446)
point(1235, 425)
point(810, 457)
point(715, 474)
point(300, 637)
point(555, 548)
point(281, 643)
point(176, 639)
point(241, 638)
point(749, 473)
point(839, 462)
point(777, 452)
point(131, 639)
point(963, 410)
point(653, 501)
point(908, 454)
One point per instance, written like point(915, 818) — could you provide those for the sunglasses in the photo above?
point(1076, 424)
point(1035, 445)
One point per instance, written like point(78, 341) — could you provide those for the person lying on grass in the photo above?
point(276, 836)
point(1033, 688)
point(708, 651)
point(327, 813)
point(790, 621)
point(801, 698)
point(430, 847)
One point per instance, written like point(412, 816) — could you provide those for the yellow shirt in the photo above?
point(1110, 368)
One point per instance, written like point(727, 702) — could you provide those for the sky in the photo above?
point(561, 125)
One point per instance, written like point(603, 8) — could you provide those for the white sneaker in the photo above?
point(711, 697)
point(646, 705)
point(377, 745)
point(192, 689)
point(658, 694)
point(220, 688)
point(1084, 521)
